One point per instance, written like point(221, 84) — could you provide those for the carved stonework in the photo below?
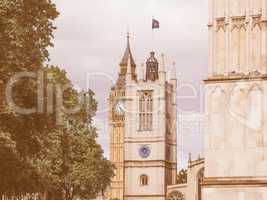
point(220, 24)
point(176, 196)
point(238, 23)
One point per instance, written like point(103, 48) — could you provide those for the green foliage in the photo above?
point(37, 154)
point(25, 33)
point(182, 176)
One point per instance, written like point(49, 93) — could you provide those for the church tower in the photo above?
point(142, 124)
point(150, 132)
point(236, 101)
point(117, 123)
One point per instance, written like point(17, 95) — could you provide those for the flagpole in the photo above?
point(153, 39)
point(153, 35)
point(155, 25)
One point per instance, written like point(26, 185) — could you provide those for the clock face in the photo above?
point(144, 151)
point(119, 108)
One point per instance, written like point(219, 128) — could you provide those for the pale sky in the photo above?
point(91, 39)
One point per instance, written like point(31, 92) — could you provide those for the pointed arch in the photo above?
point(256, 47)
point(238, 46)
point(235, 49)
point(145, 110)
point(243, 47)
point(217, 110)
point(238, 100)
point(256, 107)
point(217, 97)
point(238, 115)
point(220, 49)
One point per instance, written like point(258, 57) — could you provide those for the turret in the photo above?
point(173, 78)
point(152, 66)
point(162, 73)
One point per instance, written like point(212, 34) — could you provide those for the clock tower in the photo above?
point(117, 124)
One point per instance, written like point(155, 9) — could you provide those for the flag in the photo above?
point(155, 24)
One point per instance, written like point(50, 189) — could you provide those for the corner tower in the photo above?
point(150, 132)
point(117, 123)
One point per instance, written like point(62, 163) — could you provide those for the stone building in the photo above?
point(236, 97)
point(143, 116)
point(143, 130)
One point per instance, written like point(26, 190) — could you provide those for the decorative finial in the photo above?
point(127, 53)
point(162, 64)
point(189, 158)
point(128, 39)
point(173, 73)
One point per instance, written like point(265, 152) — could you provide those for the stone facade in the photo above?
point(236, 110)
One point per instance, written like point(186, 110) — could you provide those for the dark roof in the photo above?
point(152, 58)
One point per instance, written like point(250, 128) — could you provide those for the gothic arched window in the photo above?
point(220, 48)
point(143, 180)
point(145, 111)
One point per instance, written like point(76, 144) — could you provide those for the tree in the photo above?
point(37, 154)
point(182, 176)
point(25, 33)
point(74, 162)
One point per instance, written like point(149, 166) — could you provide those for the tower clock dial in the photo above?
point(144, 151)
point(119, 108)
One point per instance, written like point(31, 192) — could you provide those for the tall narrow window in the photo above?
point(220, 48)
point(256, 44)
point(235, 50)
point(143, 180)
point(238, 46)
point(145, 110)
point(243, 49)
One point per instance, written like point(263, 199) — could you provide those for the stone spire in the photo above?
point(127, 55)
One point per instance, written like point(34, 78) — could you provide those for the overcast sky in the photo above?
point(91, 38)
